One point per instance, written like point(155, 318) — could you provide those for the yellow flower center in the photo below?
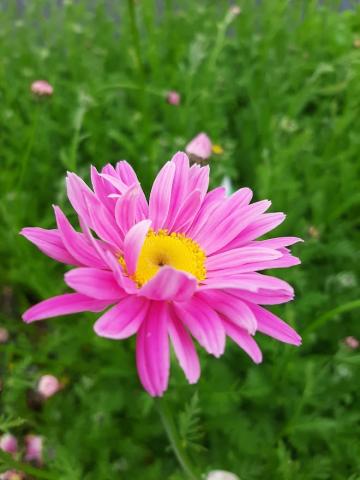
point(174, 249)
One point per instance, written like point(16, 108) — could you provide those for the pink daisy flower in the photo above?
point(42, 88)
point(33, 449)
point(173, 98)
point(48, 385)
point(183, 265)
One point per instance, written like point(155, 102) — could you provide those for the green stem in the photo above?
point(220, 40)
point(131, 86)
point(11, 463)
point(27, 153)
point(175, 441)
point(330, 314)
point(136, 36)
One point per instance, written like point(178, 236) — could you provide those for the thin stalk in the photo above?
point(174, 439)
point(27, 153)
point(136, 36)
point(11, 463)
point(319, 322)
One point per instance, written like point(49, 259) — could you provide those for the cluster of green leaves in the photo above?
point(278, 87)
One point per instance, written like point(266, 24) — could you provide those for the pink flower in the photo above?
point(48, 385)
point(235, 10)
point(352, 343)
point(4, 335)
point(8, 443)
point(33, 449)
point(200, 147)
point(42, 88)
point(173, 98)
point(185, 264)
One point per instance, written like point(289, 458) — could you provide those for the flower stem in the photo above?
point(28, 150)
point(136, 36)
point(175, 441)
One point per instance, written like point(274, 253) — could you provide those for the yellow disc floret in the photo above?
point(174, 249)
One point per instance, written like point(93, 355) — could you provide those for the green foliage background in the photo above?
point(278, 87)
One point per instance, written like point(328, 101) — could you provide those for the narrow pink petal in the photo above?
point(271, 325)
point(278, 242)
point(133, 243)
point(128, 176)
point(102, 221)
point(233, 308)
point(75, 243)
point(219, 232)
point(160, 195)
point(94, 283)
point(186, 213)
point(75, 192)
point(180, 183)
point(199, 179)
point(122, 320)
point(203, 323)
point(63, 305)
point(212, 201)
point(50, 243)
point(126, 209)
point(263, 296)
point(244, 340)
point(152, 349)
point(103, 189)
point(123, 280)
point(169, 284)
point(184, 348)
point(266, 223)
point(120, 186)
point(232, 259)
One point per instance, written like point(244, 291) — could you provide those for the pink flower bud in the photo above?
point(199, 147)
point(352, 342)
point(4, 335)
point(8, 443)
point(221, 475)
point(48, 385)
point(173, 98)
point(34, 446)
point(42, 88)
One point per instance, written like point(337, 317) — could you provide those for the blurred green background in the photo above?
point(278, 87)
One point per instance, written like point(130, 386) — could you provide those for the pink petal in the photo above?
point(133, 244)
point(231, 260)
point(123, 280)
point(278, 242)
point(271, 325)
point(203, 323)
point(184, 348)
point(94, 283)
point(75, 192)
point(122, 320)
point(102, 221)
point(186, 213)
point(169, 284)
point(50, 243)
point(126, 209)
point(160, 196)
point(180, 183)
point(63, 305)
point(266, 223)
point(152, 350)
point(244, 340)
point(211, 203)
point(232, 308)
point(128, 176)
point(75, 243)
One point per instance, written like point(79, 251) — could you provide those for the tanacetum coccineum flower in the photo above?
point(185, 264)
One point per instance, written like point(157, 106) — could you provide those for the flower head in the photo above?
point(11, 475)
point(8, 443)
point(42, 88)
point(173, 98)
point(48, 385)
point(183, 266)
point(352, 342)
point(4, 335)
point(200, 148)
point(33, 449)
